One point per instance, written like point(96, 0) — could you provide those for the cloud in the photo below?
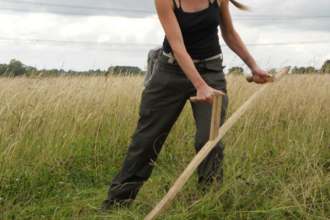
point(123, 8)
point(302, 8)
point(81, 29)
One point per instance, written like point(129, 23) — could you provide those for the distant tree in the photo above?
point(304, 70)
point(124, 70)
point(294, 69)
point(55, 70)
point(3, 69)
point(31, 71)
point(236, 70)
point(310, 70)
point(300, 70)
point(326, 67)
point(272, 71)
point(16, 68)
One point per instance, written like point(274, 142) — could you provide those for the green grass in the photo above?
point(62, 140)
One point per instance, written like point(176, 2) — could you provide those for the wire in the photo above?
point(66, 13)
point(255, 17)
point(284, 16)
point(74, 42)
point(125, 16)
point(291, 43)
point(326, 41)
point(76, 6)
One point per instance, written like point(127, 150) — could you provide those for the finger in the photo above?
point(210, 101)
point(222, 93)
point(259, 80)
point(264, 74)
point(203, 100)
point(256, 79)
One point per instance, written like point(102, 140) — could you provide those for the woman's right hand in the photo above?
point(204, 94)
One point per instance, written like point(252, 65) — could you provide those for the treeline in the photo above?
point(17, 68)
point(308, 70)
point(295, 70)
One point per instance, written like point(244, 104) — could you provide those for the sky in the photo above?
point(90, 34)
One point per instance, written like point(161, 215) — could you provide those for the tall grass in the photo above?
point(63, 139)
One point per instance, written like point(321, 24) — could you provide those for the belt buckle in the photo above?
point(171, 60)
point(170, 56)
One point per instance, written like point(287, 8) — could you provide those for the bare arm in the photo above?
point(235, 43)
point(165, 10)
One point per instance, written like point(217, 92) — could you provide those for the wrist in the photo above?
point(199, 85)
point(254, 69)
point(249, 61)
point(198, 82)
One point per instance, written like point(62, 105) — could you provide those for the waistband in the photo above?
point(172, 58)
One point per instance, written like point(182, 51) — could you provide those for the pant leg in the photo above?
point(211, 166)
point(161, 104)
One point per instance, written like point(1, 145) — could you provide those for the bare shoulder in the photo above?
point(223, 2)
point(164, 5)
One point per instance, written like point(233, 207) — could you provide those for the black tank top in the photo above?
point(199, 30)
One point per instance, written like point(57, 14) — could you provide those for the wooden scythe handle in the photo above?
point(209, 146)
point(216, 114)
point(194, 99)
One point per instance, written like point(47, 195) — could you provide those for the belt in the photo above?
point(172, 58)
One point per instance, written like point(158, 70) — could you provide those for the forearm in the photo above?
point(188, 67)
point(235, 43)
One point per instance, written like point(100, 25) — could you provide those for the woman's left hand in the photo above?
point(257, 72)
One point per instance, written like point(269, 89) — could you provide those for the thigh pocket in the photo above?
point(216, 81)
point(148, 96)
point(214, 76)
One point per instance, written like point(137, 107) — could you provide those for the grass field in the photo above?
point(62, 140)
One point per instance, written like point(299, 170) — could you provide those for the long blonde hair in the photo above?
point(240, 6)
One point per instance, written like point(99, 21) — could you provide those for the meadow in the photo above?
point(63, 139)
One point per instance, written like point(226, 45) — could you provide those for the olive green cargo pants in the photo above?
point(162, 102)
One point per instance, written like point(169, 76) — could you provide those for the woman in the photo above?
point(190, 65)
